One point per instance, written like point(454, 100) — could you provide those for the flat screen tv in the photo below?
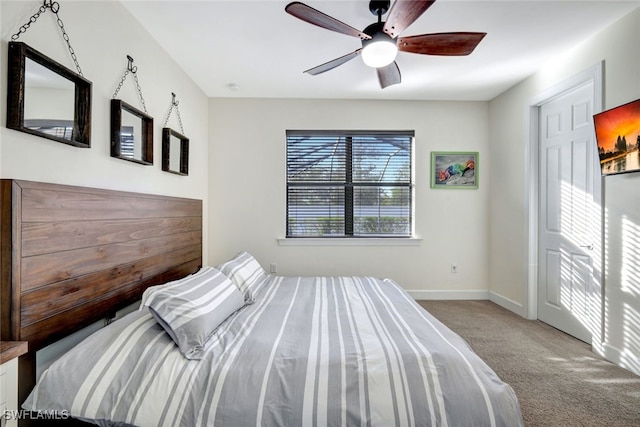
point(618, 138)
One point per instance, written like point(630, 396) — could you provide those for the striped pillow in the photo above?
point(246, 272)
point(191, 309)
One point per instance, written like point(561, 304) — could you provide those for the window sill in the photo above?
point(346, 241)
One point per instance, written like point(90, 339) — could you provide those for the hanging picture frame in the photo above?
point(131, 129)
point(175, 152)
point(45, 98)
point(454, 169)
point(175, 146)
point(131, 133)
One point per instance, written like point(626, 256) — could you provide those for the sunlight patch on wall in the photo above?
point(631, 337)
point(630, 294)
point(605, 268)
point(630, 273)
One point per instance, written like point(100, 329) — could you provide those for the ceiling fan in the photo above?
point(380, 41)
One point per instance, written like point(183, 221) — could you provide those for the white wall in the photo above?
point(102, 33)
point(618, 47)
point(248, 193)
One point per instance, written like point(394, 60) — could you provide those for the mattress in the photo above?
point(316, 351)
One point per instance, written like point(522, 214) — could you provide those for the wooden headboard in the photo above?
point(73, 255)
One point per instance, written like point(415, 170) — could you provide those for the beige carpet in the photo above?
point(558, 380)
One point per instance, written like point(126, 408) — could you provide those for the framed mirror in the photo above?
point(46, 99)
point(175, 152)
point(131, 133)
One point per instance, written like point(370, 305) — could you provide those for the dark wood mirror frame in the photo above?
point(16, 84)
point(146, 123)
point(167, 133)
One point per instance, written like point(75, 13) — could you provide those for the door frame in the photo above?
point(595, 75)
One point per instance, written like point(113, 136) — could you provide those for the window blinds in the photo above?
point(349, 184)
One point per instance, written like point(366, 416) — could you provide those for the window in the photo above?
point(349, 184)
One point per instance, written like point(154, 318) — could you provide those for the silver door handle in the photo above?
point(590, 247)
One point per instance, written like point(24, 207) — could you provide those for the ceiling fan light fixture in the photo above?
point(381, 49)
point(379, 53)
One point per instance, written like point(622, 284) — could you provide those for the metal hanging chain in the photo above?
point(174, 103)
point(55, 7)
point(133, 70)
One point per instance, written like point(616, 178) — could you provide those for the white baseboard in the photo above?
point(469, 295)
point(622, 358)
point(449, 295)
point(507, 303)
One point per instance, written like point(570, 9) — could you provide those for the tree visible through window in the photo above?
point(349, 184)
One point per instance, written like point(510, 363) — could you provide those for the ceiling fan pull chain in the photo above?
point(55, 8)
point(134, 71)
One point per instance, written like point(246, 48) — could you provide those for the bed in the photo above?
point(286, 351)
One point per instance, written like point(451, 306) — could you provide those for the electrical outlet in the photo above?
point(273, 268)
point(454, 268)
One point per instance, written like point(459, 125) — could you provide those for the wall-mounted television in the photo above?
point(618, 138)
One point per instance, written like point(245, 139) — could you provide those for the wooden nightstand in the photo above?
point(9, 353)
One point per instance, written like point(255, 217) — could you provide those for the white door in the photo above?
point(569, 218)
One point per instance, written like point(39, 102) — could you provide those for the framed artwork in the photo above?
point(618, 138)
point(454, 169)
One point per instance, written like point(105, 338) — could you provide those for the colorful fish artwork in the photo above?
point(455, 169)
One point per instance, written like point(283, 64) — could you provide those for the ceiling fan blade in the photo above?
point(333, 63)
point(444, 44)
point(403, 13)
point(315, 17)
point(388, 75)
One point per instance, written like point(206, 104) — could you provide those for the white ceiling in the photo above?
point(262, 50)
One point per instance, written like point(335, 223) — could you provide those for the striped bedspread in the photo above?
point(311, 351)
